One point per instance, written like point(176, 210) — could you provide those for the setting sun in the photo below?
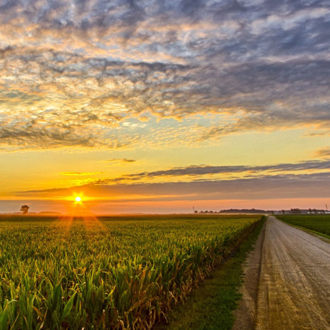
point(78, 199)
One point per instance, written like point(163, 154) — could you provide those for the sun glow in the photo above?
point(78, 199)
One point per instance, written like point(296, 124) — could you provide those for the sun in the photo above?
point(78, 199)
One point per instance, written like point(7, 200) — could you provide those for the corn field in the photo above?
point(107, 273)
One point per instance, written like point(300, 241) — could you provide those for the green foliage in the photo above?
point(318, 223)
point(211, 306)
point(118, 273)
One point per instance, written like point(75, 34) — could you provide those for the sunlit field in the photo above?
point(108, 272)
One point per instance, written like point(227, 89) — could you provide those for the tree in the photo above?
point(25, 209)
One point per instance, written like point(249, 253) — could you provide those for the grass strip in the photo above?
point(211, 306)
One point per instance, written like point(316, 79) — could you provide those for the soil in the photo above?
point(287, 281)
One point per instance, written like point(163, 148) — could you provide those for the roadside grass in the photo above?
point(211, 306)
point(317, 224)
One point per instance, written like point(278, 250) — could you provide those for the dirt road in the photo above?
point(287, 281)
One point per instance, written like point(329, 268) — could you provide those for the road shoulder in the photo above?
point(245, 315)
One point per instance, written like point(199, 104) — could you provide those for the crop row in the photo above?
point(100, 274)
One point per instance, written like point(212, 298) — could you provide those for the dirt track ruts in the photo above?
point(287, 281)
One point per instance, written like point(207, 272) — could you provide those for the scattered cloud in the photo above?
point(74, 72)
point(265, 187)
point(120, 160)
point(285, 180)
point(323, 152)
point(227, 172)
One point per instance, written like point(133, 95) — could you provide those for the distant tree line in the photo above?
point(291, 211)
point(236, 211)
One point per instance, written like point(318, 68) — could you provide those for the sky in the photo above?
point(159, 106)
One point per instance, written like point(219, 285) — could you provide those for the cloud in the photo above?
point(119, 160)
point(27, 137)
point(26, 133)
point(265, 187)
point(323, 152)
point(205, 182)
point(228, 172)
point(72, 67)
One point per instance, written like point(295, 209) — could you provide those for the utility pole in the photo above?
point(193, 209)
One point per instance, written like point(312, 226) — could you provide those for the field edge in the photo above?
point(212, 305)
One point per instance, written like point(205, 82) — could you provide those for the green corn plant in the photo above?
point(107, 273)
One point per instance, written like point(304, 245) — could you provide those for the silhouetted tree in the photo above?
point(25, 209)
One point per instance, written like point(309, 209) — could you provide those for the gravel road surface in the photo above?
point(287, 281)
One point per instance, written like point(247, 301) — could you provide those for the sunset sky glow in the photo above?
point(157, 106)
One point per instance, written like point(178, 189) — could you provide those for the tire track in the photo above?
point(293, 290)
